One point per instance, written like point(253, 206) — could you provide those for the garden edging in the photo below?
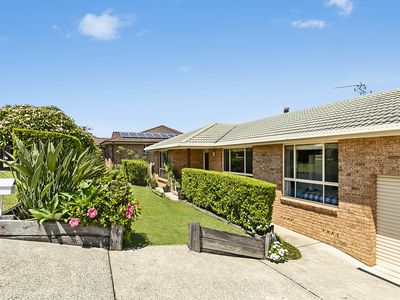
point(57, 232)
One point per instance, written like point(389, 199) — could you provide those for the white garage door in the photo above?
point(388, 223)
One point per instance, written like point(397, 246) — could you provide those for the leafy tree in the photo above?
point(45, 118)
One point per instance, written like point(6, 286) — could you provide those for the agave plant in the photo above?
point(46, 171)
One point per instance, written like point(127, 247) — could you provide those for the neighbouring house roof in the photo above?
point(162, 129)
point(98, 140)
point(149, 136)
point(370, 114)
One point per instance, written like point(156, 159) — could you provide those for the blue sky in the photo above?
point(131, 65)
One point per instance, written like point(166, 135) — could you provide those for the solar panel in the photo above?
point(146, 135)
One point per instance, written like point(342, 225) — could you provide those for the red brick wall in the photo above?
point(350, 226)
point(215, 159)
point(196, 158)
point(268, 163)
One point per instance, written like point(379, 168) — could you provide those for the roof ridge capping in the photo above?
point(201, 130)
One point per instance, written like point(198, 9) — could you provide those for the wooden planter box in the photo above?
point(203, 239)
point(57, 232)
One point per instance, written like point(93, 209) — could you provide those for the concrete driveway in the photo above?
point(30, 270)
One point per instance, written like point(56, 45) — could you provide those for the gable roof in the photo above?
point(367, 114)
point(162, 129)
point(149, 136)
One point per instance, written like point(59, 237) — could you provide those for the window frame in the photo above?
point(161, 171)
point(245, 160)
point(323, 182)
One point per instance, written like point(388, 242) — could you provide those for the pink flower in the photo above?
point(92, 213)
point(137, 204)
point(130, 208)
point(74, 222)
point(128, 214)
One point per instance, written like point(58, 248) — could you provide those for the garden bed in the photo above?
point(57, 232)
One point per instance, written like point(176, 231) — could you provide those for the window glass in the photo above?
point(237, 160)
point(226, 160)
point(163, 159)
point(249, 160)
point(331, 195)
point(308, 191)
point(331, 162)
point(289, 188)
point(309, 162)
point(289, 163)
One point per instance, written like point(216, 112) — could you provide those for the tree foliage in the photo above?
point(45, 118)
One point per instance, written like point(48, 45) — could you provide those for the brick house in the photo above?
point(336, 167)
point(131, 144)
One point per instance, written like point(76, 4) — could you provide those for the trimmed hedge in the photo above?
point(137, 171)
point(30, 137)
point(241, 200)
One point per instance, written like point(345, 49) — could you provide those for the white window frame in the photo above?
point(245, 157)
point(318, 182)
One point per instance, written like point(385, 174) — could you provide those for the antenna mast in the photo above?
point(360, 88)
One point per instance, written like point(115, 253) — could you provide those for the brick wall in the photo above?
point(351, 226)
point(268, 163)
point(215, 159)
point(196, 158)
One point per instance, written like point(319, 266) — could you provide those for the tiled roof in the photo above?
point(149, 136)
point(162, 129)
point(374, 112)
point(98, 140)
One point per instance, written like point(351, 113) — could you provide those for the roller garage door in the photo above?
point(388, 223)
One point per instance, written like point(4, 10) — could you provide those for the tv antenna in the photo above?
point(360, 88)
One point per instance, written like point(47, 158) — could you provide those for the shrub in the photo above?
point(44, 171)
point(47, 118)
point(32, 137)
point(137, 171)
point(109, 201)
point(241, 200)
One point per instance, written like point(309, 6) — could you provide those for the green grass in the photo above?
point(165, 222)
point(11, 200)
point(293, 252)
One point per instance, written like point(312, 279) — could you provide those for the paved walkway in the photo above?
point(30, 270)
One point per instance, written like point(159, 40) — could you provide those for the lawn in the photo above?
point(165, 222)
point(10, 200)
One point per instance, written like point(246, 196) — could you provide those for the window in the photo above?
point(311, 172)
point(163, 159)
point(238, 160)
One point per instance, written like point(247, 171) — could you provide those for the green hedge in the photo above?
point(136, 171)
point(30, 137)
point(241, 200)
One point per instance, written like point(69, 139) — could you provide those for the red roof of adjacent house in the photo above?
point(149, 136)
point(98, 140)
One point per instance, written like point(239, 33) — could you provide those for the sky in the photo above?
point(132, 65)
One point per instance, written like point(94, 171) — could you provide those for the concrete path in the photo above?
point(30, 270)
point(33, 270)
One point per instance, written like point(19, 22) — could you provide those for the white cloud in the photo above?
point(309, 24)
point(345, 6)
point(104, 27)
point(184, 69)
